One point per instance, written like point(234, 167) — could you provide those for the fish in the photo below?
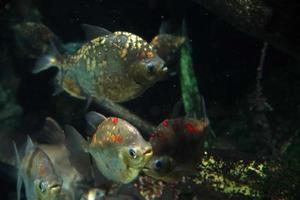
point(168, 47)
point(119, 66)
point(117, 147)
point(32, 39)
point(177, 148)
point(37, 172)
point(74, 167)
point(99, 194)
point(94, 194)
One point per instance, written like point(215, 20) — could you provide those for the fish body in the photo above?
point(117, 147)
point(177, 147)
point(38, 174)
point(119, 66)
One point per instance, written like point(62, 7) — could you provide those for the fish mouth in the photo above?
point(149, 172)
point(162, 72)
point(148, 154)
point(55, 188)
point(146, 169)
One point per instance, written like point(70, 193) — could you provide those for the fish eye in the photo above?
point(99, 194)
point(150, 67)
point(158, 164)
point(42, 186)
point(132, 153)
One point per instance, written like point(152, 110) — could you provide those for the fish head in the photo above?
point(47, 184)
point(94, 194)
point(136, 156)
point(148, 70)
point(165, 168)
point(133, 158)
point(116, 139)
point(47, 189)
point(135, 151)
point(158, 166)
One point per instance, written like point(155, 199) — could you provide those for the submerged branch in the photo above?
point(271, 21)
point(120, 111)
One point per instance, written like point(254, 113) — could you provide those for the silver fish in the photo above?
point(119, 66)
point(119, 150)
point(37, 173)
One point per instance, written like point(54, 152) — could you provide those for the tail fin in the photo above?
point(52, 59)
point(19, 177)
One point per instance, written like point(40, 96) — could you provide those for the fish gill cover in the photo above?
point(201, 98)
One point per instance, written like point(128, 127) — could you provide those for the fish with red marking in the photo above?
point(177, 148)
point(117, 147)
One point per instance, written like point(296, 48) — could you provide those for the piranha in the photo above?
point(119, 66)
point(37, 173)
point(177, 148)
point(32, 39)
point(167, 47)
point(117, 147)
point(73, 167)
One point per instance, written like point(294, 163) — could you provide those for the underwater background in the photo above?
point(244, 64)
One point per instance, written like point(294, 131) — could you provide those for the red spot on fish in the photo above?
point(165, 123)
point(189, 127)
point(152, 136)
point(113, 138)
point(114, 120)
point(119, 139)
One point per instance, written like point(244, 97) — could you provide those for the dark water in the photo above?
point(225, 58)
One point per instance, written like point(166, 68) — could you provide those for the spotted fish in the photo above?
point(118, 149)
point(177, 148)
point(37, 173)
point(119, 66)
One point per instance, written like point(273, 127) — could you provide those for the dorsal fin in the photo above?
point(92, 32)
point(93, 119)
point(29, 145)
point(19, 175)
point(51, 132)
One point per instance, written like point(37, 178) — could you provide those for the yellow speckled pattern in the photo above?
point(113, 66)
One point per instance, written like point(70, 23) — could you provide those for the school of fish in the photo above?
point(61, 164)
